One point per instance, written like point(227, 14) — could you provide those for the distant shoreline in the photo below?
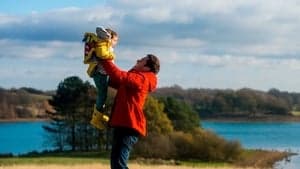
point(277, 118)
point(23, 120)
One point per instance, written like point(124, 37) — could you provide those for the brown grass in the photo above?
point(261, 158)
point(106, 166)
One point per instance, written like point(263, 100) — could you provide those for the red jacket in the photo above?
point(132, 90)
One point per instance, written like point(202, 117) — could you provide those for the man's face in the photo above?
point(140, 65)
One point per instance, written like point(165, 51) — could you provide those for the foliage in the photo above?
point(172, 118)
point(197, 144)
point(183, 117)
point(157, 120)
point(156, 146)
point(69, 127)
point(205, 145)
point(234, 103)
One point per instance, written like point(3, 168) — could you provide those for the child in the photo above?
point(101, 47)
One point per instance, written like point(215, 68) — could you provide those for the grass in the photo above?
point(50, 160)
point(95, 162)
point(65, 158)
point(105, 166)
point(249, 159)
point(261, 158)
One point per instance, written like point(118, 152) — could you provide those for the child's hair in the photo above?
point(111, 32)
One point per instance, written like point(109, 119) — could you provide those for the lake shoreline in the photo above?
point(253, 119)
point(24, 120)
point(260, 153)
point(274, 118)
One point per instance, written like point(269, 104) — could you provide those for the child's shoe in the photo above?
point(99, 120)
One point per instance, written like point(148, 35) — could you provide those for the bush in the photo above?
point(197, 145)
point(155, 146)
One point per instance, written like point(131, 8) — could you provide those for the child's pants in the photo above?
point(101, 82)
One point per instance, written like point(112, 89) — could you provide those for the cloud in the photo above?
point(39, 49)
point(56, 24)
point(217, 35)
point(6, 19)
point(235, 28)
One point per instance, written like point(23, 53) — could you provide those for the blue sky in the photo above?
point(201, 44)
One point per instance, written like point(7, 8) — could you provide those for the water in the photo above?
point(282, 136)
point(259, 135)
point(24, 137)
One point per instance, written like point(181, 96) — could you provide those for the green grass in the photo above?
point(65, 158)
point(200, 164)
point(261, 158)
point(50, 160)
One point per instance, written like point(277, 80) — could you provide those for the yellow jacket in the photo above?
point(95, 49)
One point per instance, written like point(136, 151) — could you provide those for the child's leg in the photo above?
point(101, 82)
point(99, 119)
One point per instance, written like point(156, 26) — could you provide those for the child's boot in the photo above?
point(99, 120)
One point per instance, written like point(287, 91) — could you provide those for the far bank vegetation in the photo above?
point(173, 113)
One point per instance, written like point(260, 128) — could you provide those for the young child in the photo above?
point(100, 47)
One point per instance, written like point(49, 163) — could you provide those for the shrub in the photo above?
point(155, 146)
point(195, 145)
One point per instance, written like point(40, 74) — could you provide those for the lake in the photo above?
point(23, 137)
point(263, 135)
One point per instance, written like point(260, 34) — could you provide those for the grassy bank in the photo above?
point(248, 159)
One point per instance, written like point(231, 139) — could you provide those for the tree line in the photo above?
point(244, 102)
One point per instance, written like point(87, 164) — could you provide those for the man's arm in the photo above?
point(115, 74)
point(118, 76)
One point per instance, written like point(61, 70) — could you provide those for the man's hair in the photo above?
point(153, 63)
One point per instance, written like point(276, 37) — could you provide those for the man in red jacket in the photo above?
point(127, 116)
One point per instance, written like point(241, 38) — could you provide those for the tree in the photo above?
point(181, 114)
point(69, 127)
point(157, 120)
point(246, 101)
point(159, 126)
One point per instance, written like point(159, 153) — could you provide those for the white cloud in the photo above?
point(39, 49)
point(217, 35)
point(6, 19)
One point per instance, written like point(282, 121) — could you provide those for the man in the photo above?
point(127, 117)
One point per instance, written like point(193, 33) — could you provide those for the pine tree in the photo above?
point(69, 126)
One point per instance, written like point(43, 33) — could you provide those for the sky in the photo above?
point(214, 44)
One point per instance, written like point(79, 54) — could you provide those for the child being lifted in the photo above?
point(99, 46)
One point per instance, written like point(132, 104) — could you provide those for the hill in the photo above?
point(23, 103)
point(215, 104)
